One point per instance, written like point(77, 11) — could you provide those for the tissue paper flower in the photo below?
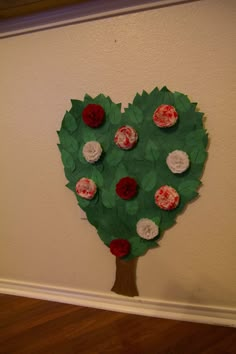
point(167, 198)
point(165, 116)
point(126, 188)
point(147, 229)
point(92, 151)
point(120, 247)
point(86, 188)
point(93, 115)
point(177, 161)
point(126, 137)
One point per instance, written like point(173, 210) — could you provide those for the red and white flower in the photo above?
point(92, 151)
point(126, 137)
point(167, 198)
point(86, 188)
point(177, 161)
point(147, 229)
point(165, 116)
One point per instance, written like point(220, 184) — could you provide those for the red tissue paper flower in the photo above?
point(126, 188)
point(93, 115)
point(120, 247)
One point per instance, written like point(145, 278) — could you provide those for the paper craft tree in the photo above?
point(133, 172)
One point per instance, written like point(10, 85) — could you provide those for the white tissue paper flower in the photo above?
point(147, 229)
point(177, 161)
point(92, 151)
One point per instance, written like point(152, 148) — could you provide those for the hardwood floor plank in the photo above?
point(203, 337)
point(30, 326)
point(225, 345)
point(23, 319)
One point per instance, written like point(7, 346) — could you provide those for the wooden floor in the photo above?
point(29, 326)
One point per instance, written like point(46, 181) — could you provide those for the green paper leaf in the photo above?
point(115, 114)
point(69, 122)
point(157, 220)
point(68, 142)
point(59, 146)
point(149, 181)
point(154, 94)
point(189, 196)
point(182, 102)
point(144, 94)
point(115, 156)
point(95, 199)
point(71, 186)
point(99, 165)
point(105, 237)
point(159, 100)
point(105, 142)
point(137, 100)
point(198, 156)
point(81, 156)
point(134, 113)
point(87, 99)
point(107, 107)
point(83, 203)
point(88, 134)
point(97, 178)
point(76, 104)
point(77, 108)
point(168, 98)
point(140, 246)
point(195, 137)
point(151, 152)
point(188, 188)
point(167, 223)
point(104, 102)
point(131, 207)
point(108, 199)
point(67, 160)
point(121, 172)
point(164, 89)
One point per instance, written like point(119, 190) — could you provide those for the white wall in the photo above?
point(187, 47)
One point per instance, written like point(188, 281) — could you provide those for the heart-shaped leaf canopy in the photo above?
point(153, 166)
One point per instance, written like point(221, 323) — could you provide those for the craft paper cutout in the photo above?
point(126, 137)
point(92, 151)
point(126, 188)
point(165, 116)
point(178, 161)
point(167, 198)
point(133, 172)
point(86, 188)
point(147, 229)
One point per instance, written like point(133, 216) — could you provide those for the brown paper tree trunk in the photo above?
point(125, 281)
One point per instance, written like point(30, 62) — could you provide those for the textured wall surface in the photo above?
point(187, 47)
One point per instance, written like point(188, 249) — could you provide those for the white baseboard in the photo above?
point(141, 306)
